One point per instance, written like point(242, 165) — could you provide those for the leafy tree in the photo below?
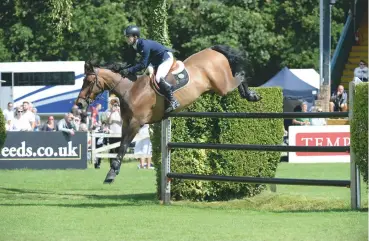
point(274, 33)
point(158, 31)
point(34, 29)
point(96, 32)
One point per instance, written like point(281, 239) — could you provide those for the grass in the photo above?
point(75, 205)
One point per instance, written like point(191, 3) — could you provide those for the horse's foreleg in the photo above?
point(128, 133)
point(244, 90)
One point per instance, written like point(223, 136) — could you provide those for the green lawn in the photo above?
point(75, 205)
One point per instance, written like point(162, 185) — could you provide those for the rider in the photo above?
point(153, 53)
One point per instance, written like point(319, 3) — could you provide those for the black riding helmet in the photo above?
point(132, 30)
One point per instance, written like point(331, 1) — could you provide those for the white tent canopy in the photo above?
point(309, 76)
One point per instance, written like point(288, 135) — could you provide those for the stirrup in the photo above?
point(174, 104)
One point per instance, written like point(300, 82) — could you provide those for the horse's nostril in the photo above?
point(80, 105)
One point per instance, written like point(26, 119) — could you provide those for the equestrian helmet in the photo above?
point(132, 30)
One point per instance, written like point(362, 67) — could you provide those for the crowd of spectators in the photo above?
point(309, 121)
point(25, 118)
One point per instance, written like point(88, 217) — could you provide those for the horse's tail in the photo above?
point(235, 58)
point(238, 67)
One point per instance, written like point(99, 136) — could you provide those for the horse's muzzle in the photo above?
point(82, 104)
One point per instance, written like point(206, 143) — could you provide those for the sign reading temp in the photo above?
point(331, 135)
point(44, 150)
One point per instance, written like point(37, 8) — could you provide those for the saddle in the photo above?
point(178, 77)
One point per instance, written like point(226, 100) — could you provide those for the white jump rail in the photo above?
point(101, 152)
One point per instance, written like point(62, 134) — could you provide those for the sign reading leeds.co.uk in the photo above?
point(44, 150)
point(331, 135)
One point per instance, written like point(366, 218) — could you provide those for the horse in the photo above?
point(219, 69)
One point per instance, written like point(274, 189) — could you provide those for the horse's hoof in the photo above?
point(108, 181)
point(253, 96)
point(110, 177)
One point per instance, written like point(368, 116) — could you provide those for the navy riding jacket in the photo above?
point(151, 52)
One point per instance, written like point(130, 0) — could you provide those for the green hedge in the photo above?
point(217, 162)
point(359, 127)
point(2, 129)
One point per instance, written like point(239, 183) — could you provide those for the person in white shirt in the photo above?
point(317, 121)
point(114, 119)
point(115, 123)
point(143, 147)
point(20, 123)
point(28, 114)
point(361, 72)
point(9, 114)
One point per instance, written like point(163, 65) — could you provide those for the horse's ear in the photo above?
point(88, 67)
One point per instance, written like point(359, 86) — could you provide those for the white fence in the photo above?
point(103, 151)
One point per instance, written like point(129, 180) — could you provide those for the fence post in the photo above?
point(165, 160)
point(93, 147)
point(354, 170)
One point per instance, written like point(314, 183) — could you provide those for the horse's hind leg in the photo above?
point(244, 90)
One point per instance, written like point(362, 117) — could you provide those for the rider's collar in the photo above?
point(135, 44)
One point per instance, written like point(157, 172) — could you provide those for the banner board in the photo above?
point(44, 150)
point(330, 135)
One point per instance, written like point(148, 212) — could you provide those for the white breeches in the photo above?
point(164, 68)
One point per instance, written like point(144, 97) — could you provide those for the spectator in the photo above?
point(115, 125)
point(95, 115)
point(361, 72)
point(84, 118)
point(83, 127)
point(28, 114)
point(75, 111)
point(100, 141)
point(338, 100)
point(37, 119)
point(20, 122)
point(302, 121)
point(104, 115)
point(77, 122)
point(318, 121)
point(66, 124)
point(143, 147)
point(49, 125)
point(9, 114)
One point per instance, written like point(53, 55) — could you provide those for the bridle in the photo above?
point(101, 89)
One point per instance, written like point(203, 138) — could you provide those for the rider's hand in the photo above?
point(124, 72)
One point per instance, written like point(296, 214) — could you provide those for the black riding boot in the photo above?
point(168, 92)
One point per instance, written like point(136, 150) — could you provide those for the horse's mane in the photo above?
point(114, 67)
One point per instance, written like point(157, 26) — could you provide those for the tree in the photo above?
point(158, 31)
point(34, 29)
point(97, 32)
point(274, 33)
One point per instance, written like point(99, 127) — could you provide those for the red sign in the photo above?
point(323, 139)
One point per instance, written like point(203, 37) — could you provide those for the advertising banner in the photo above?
point(44, 150)
point(331, 135)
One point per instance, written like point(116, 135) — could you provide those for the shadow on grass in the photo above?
point(77, 205)
point(323, 210)
point(139, 199)
point(267, 209)
point(150, 199)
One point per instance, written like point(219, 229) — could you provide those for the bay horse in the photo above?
point(219, 69)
